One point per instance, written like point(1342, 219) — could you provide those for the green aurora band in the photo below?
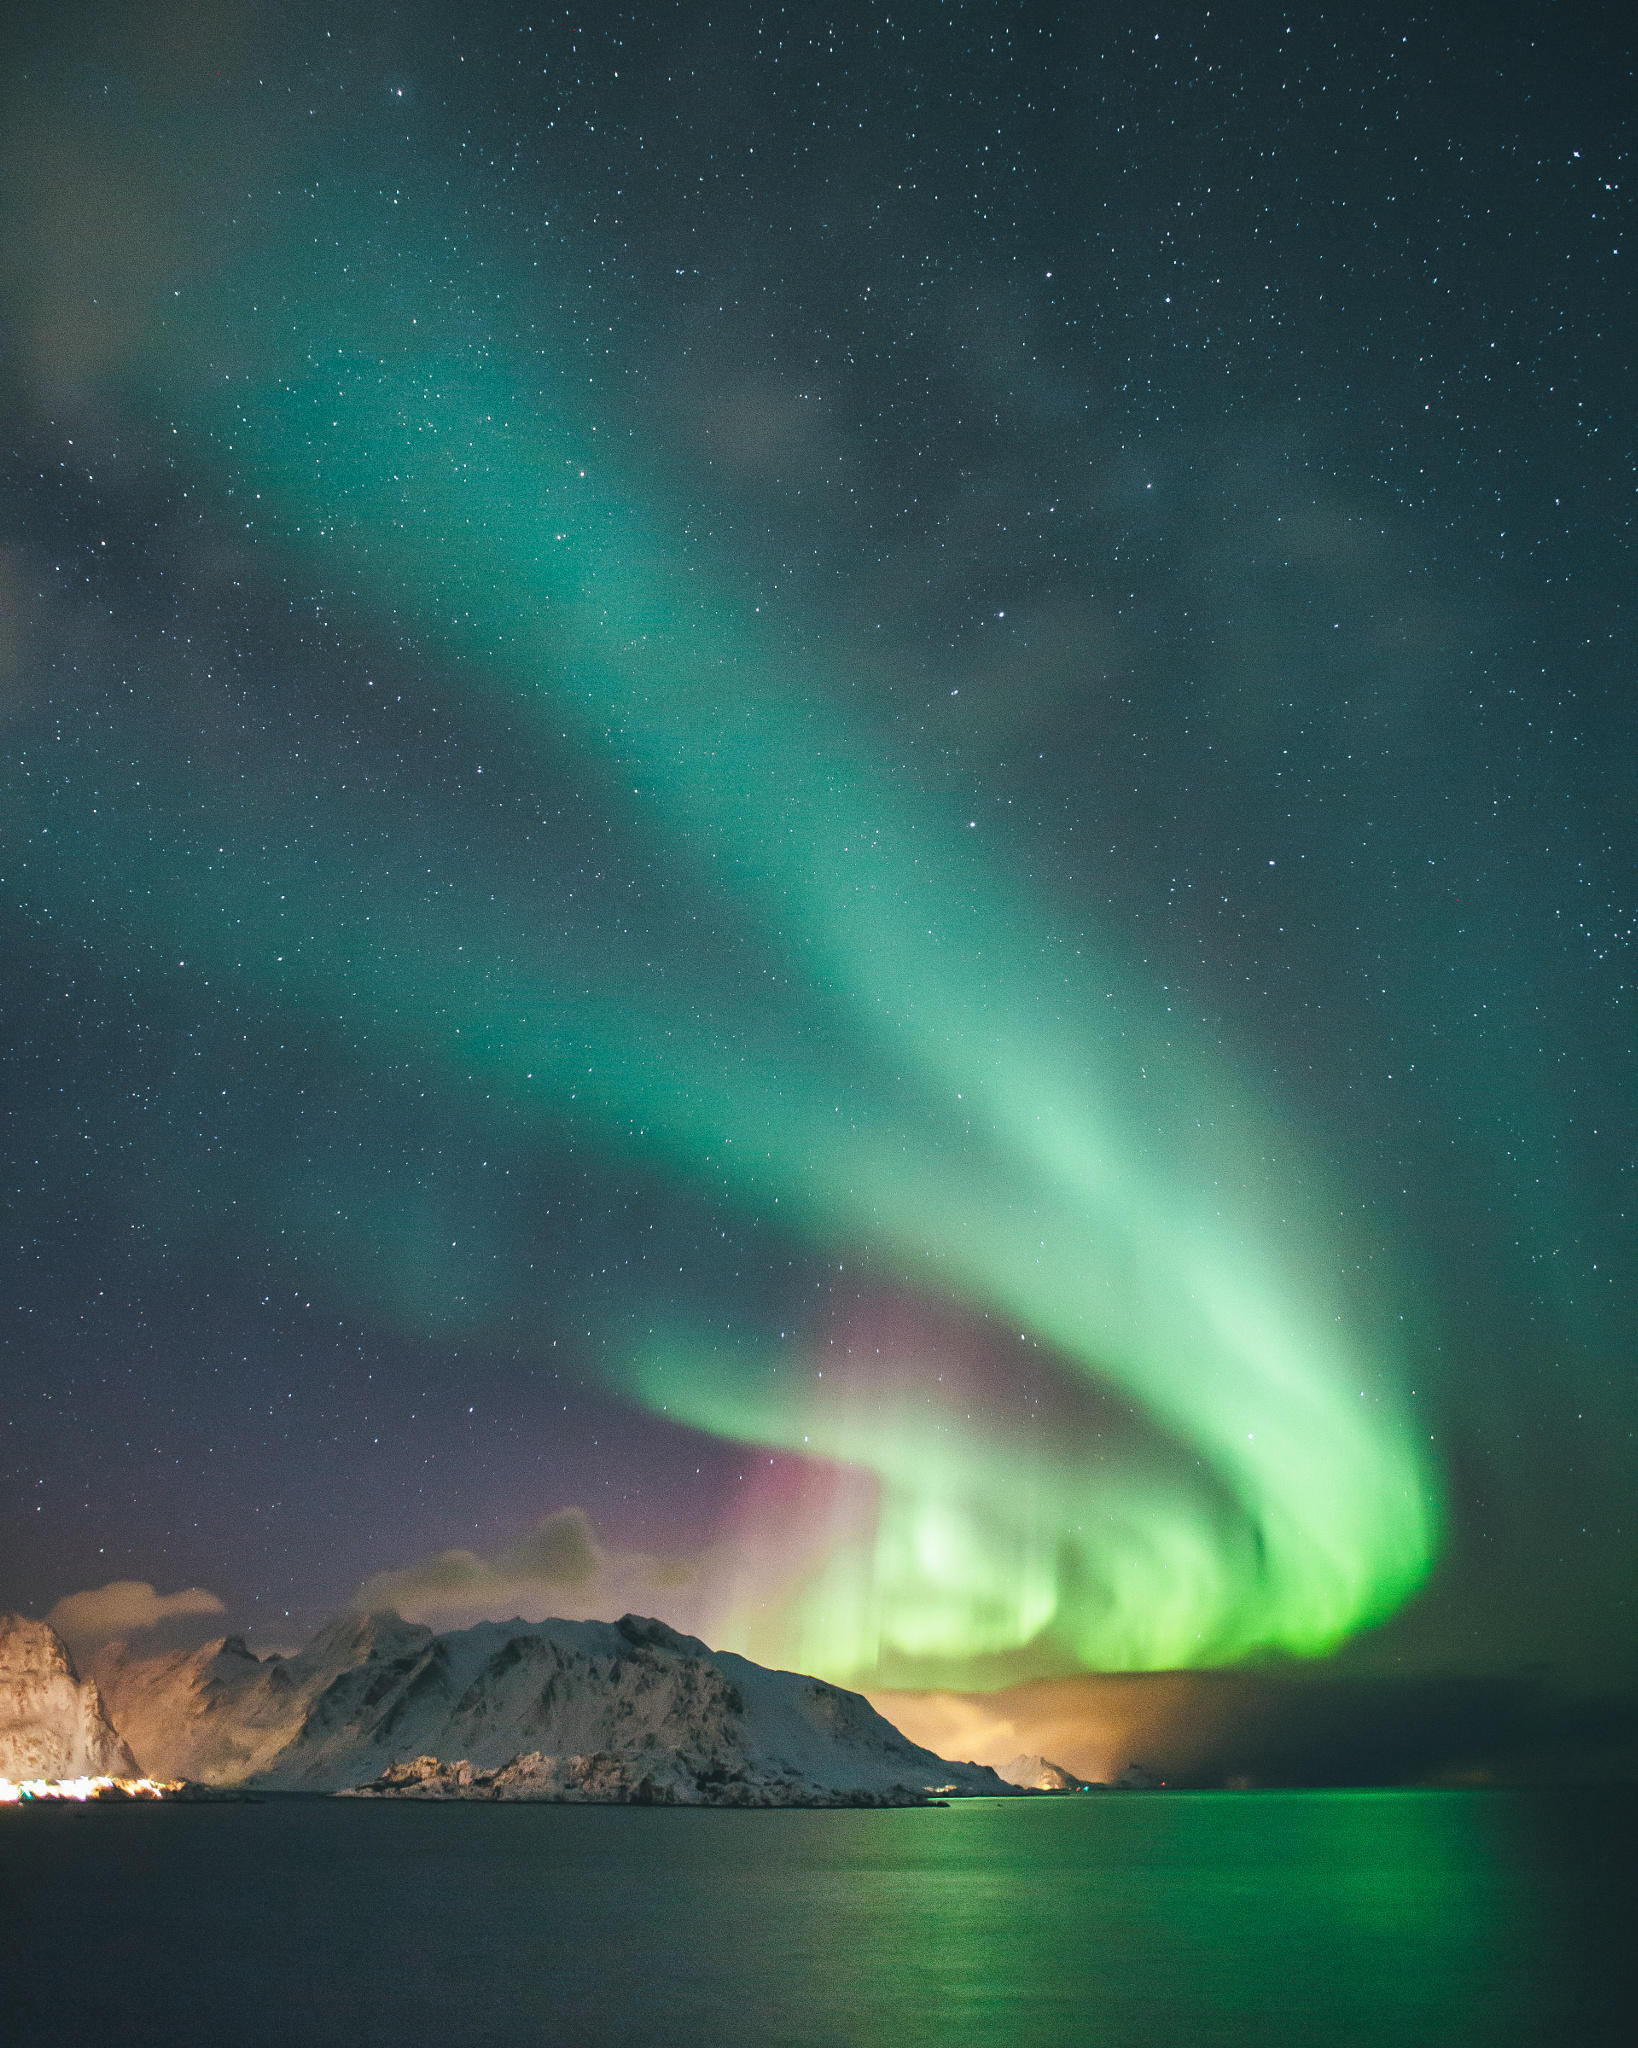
point(980, 1111)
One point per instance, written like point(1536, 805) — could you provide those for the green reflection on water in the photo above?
point(1269, 1918)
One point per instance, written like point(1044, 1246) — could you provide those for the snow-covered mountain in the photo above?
point(52, 1723)
point(219, 1715)
point(584, 1710)
point(1035, 1774)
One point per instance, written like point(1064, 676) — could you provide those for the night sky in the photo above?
point(825, 821)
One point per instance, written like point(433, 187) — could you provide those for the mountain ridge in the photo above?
point(630, 1711)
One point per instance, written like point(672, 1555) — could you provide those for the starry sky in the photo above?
point(824, 820)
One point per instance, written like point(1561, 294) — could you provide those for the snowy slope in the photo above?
point(553, 1709)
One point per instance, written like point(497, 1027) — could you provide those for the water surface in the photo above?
point(1177, 1920)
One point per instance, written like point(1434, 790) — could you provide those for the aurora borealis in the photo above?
point(775, 784)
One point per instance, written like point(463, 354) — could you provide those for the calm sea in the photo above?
point(1180, 1920)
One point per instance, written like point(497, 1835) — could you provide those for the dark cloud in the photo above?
point(1255, 1728)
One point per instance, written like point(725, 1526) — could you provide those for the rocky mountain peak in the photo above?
point(52, 1721)
point(1035, 1774)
